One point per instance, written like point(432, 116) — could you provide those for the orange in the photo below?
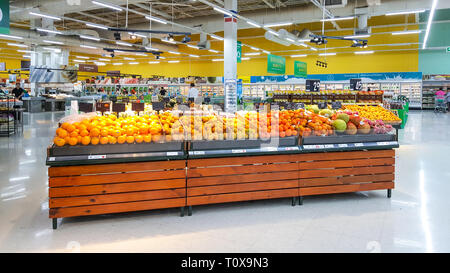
point(156, 138)
point(168, 138)
point(95, 140)
point(130, 139)
point(121, 139)
point(59, 141)
point(82, 127)
point(104, 133)
point(65, 125)
point(116, 133)
point(73, 134)
point(104, 140)
point(282, 134)
point(84, 133)
point(70, 128)
point(73, 141)
point(112, 140)
point(76, 124)
point(148, 138)
point(79, 139)
point(62, 133)
point(130, 131)
point(139, 138)
point(143, 130)
point(95, 132)
point(85, 140)
point(66, 139)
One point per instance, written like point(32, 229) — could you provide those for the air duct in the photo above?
point(274, 38)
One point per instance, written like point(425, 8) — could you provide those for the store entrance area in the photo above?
point(414, 219)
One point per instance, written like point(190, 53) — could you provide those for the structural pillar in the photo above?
point(230, 57)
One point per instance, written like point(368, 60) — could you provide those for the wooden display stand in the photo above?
point(111, 188)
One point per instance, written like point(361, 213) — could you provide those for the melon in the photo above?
point(339, 125)
point(343, 116)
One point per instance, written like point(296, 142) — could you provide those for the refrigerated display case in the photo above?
point(429, 89)
point(412, 91)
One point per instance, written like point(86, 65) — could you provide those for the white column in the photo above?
point(230, 57)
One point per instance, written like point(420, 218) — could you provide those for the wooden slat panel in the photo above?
point(115, 198)
point(241, 169)
point(113, 168)
point(240, 178)
point(225, 161)
point(242, 196)
point(345, 171)
point(114, 178)
point(114, 208)
point(257, 186)
point(116, 188)
point(346, 188)
point(312, 182)
point(346, 163)
point(346, 155)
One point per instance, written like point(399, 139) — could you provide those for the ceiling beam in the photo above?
point(327, 13)
point(269, 4)
point(153, 10)
point(94, 16)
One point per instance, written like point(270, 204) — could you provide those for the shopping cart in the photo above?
point(440, 105)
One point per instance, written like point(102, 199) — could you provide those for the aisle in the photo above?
point(415, 219)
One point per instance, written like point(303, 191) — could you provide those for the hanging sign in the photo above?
point(448, 49)
point(4, 17)
point(276, 64)
point(230, 95)
point(313, 85)
point(300, 69)
point(239, 51)
point(87, 68)
point(355, 84)
point(113, 73)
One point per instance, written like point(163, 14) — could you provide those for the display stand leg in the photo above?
point(300, 200)
point(189, 210)
point(389, 193)
point(181, 211)
point(294, 200)
point(55, 223)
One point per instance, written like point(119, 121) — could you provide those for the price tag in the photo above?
point(308, 147)
point(238, 151)
point(96, 156)
point(329, 146)
point(319, 146)
point(172, 153)
point(295, 148)
point(269, 149)
point(382, 143)
point(199, 152)
point(343, 145)
point(138, 107)
point(51, 159)
point(359, 144)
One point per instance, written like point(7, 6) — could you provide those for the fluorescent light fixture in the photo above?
point(100, 63)
point(193, 46)
point(169, 41)
point(25, 51)
point(53, 42)
point(364, 52)
point(52, 49)
point(119, 51)
point(105, 5)
point(48, 30)
point(105, 60)
point(195, 56)
point(138, 35)
point(86, 46)
point(290, 40)
point(133, 63)
point(117, 63)
point(253, 24)
point(123, 43)
point(278, 24)
point(216, 37)
point(18, 45)
point(90, 37)
point(173, 52)
point(357, 36)
point(312, 48)
point(304, 40)
point(223, 11)
point(245, 58)
point(140, 54)
point(27, 56)
point(173, 62)
point(430, 21)
point(327, 54)
point(82, 57)
point(96, 26)
point(217, 60)
point(265, 51)
point(162, 58)
point(10, 37)
point(44, 15)
point(337, 19)
point(274, 33)
point(129, 59)
point(213, 51)
point(79, 61)
point(252, 54)
point(153, 62)
point(405, 12)
point(304, 45)
point(151, 48)
point(299, 56)
point(151, 18)
point(406, 32)
point(254, 48)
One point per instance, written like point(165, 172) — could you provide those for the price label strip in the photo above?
point(96, 156)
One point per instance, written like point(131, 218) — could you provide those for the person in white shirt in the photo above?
point(193, 92)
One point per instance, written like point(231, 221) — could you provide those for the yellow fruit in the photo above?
point(85, 140)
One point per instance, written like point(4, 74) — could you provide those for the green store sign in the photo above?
point(448, 49)
point(276, 64)
point(239, 51)
point(4, 17)
point(300, 69)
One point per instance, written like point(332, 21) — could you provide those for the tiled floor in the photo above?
point(415, 219)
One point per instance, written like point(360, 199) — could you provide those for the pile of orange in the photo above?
point(111, 130)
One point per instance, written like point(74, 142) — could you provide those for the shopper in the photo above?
point(447, 99)
point(18, 91)
point(162, 91)
point(193, 92)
